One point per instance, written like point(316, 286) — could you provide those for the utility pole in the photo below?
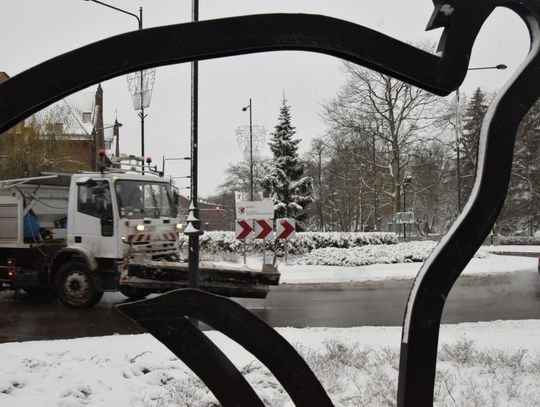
point(458, 143)
point(250, 148)
point(374, 170)
point(193, 230)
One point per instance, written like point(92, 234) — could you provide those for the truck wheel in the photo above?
point(76, 286)
point(134, 293)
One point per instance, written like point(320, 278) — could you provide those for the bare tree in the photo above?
point(391, 112)
point(315, 161)
point(237, 177)
point(28, 149)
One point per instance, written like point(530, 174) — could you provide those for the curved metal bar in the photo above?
point(159, 315)
point(201, 356)
point(439, 272)
point(462, 19)
point(48, 82)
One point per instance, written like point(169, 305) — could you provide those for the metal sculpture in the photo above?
point(48, 82)
point(166, 317)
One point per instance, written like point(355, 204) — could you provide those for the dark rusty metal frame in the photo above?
point(165, 317)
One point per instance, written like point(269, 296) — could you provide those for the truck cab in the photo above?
point(117, 216)
point(77, 233)
point(114, 219)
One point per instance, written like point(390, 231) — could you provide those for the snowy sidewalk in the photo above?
point(494, 264)
point(310, 274)
point(136, 370)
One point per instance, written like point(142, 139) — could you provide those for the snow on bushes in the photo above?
point(372, 254)
point(305, 242)
point(519, 240)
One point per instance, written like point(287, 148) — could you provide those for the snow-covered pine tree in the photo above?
point(472, 123)
point(285, 183)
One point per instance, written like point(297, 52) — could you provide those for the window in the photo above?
point(95, 200)
point(143, 199)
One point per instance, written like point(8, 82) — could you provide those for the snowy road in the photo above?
point(509, 296)
point(503, 296)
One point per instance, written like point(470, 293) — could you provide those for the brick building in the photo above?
point(75, 122)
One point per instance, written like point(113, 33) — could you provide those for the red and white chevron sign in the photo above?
point(263, 229)
point(285, 228)
point(243, 229)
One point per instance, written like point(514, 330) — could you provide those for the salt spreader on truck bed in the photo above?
point(79, 235)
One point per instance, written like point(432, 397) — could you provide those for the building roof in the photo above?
point(3, 76)
point(76, 113)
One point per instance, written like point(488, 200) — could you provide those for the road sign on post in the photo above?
point(243, 229)
point(263, 229)
point(404, 217)
point(285, 228)
point(255, 210)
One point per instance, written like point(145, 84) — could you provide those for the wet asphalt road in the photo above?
point(514, 296)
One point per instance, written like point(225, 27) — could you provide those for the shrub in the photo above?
point(304, 242)
point(519, 240)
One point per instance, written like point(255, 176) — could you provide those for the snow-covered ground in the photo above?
point(490, 363)
point(299, 273)
point(514, 248)
point(496, 363)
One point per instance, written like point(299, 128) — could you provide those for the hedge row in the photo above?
point(304, 242)
point(406, 252)
point(519, 240)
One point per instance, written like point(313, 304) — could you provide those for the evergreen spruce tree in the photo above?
point(521, 212)
point(285, 183)
point(472, 123)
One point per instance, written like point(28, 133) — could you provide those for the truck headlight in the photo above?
point(140, 228)
point(179, 226)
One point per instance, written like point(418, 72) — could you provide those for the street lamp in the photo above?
point(140, 83)
point(407, 181)
point(457, 129)
point(250, 149)
point(172, 159)
point(139, 17)
point(193, 228)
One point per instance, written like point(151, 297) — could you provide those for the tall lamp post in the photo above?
point(407, 181)
point(250, 148)
point(140, 91)
point(458, 132)
point(193, 228)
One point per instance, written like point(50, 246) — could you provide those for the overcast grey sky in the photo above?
point(36, 30)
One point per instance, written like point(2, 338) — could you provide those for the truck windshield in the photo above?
point(144, 199)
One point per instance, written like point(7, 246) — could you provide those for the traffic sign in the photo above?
point(285, 228)
point(255, 210)
point(263, 229)
point(243, 229)
point(404, 217)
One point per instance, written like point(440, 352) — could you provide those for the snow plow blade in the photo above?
point(227, 281)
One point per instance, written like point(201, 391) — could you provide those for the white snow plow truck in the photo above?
point(76, 236)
